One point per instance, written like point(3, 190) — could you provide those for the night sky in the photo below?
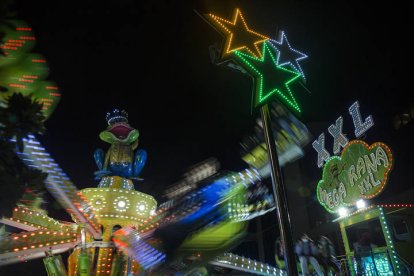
point(152, 59)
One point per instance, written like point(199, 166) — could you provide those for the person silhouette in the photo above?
point(327, 255)
point(307, 251)
point(362, 249)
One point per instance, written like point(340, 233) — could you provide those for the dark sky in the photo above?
point(152, 58)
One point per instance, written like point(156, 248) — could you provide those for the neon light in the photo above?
point(238, 35)
point(339, 139)
point(271, 79)
point(287, 55)
point(319, 146)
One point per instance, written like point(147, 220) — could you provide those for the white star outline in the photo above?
point(282, 39)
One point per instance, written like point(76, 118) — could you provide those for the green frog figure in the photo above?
point(120, 159)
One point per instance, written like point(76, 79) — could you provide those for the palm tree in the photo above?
point(20, 117)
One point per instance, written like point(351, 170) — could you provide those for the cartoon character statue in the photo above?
point(120, 159)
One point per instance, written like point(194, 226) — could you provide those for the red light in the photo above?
point(17, 85)
point(23, 29)
point(28, 37)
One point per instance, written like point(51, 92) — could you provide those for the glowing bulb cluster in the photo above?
point(142, 208)
point(99, 202)
point(121, 203)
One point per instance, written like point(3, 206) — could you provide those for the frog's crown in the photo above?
point(116, 116)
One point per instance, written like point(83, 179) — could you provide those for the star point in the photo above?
point(238, 35)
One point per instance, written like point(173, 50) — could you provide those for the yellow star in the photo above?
point(238, 35)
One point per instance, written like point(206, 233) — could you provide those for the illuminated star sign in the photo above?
point(287, 55)
point(271, 79)
point(238, 35)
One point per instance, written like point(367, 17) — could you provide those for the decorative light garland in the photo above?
point(389, 240)
point(283, 77)
point(232, 43)
point(284, 49)
point(387, 170)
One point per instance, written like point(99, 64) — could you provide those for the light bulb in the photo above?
point(361, 204)
point(342, 212)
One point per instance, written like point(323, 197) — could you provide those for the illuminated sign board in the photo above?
point(360, 172)
point(340, 140)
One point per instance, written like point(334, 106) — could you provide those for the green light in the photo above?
point(271, 79)
point(389, 240)
point(361, 172)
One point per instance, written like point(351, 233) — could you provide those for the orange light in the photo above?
point(236, 26)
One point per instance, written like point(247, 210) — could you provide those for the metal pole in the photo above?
point(129, 266)
point(279, 194)
point(259, 237)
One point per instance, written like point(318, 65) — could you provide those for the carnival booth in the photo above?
point(388, 232)
point(377, 238)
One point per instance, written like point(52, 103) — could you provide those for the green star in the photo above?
point(271, 79)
